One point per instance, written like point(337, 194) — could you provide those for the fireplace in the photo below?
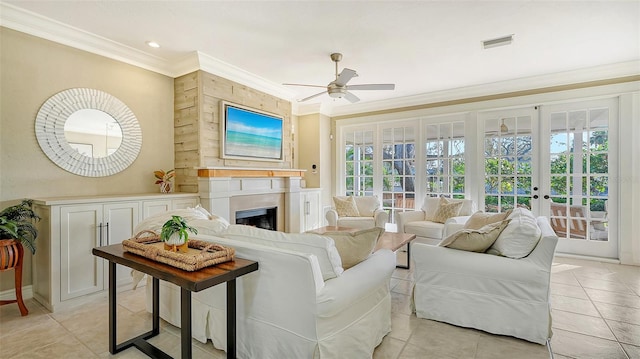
point(266, 218)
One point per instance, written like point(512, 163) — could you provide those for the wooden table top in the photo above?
point(394, 241)
point(194, 281)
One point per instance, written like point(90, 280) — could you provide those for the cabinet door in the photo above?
point(311, 208)
point(80, 271)
point(149, 208)
point(120, 219)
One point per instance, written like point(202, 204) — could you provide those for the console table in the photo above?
point(188, 282)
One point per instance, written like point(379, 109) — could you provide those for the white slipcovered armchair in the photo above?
point(368, 213)
point(497, 294)
point(420, 222)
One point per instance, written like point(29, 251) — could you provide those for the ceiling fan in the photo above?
point(338, 88)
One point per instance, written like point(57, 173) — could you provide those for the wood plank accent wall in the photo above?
point(197, 97)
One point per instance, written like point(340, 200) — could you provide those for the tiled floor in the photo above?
point(596, 314)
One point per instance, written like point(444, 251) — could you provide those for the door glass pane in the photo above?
point(508, 163)
point(579, 169)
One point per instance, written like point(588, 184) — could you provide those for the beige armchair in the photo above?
point(421, 222)
point(361, 212)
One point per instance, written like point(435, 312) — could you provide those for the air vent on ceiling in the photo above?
point(501, 41)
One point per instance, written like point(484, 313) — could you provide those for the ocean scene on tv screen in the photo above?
point(252, 134)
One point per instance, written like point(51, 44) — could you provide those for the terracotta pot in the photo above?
point(11, 257)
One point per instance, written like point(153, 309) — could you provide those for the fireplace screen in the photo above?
point(261, 217)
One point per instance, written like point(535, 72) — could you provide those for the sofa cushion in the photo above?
point(322, 247)
point(425, 229)
point(354, 247)
point(520, 236)
point(475, 240)
point(345, 206)
point(431, 205)
point(446, 210)
point(481, 219)
point(367, 205)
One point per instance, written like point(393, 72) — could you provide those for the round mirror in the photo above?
point(88, 132)
point(93, 133)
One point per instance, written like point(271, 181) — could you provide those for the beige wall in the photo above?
point(31, 71)
point(314, 133)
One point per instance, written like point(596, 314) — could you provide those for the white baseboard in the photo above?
point(588, 258)
point(9, 294)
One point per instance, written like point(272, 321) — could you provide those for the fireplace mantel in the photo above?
point(225, 190)
point(244, 172)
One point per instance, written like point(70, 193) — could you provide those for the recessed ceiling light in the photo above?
point(500, 41)
point(153, 44)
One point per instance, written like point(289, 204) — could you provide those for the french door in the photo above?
point(510, 156)
point(580, 163)
point(556, 160)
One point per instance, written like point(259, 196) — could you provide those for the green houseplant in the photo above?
point(175, 234)
point(17, 228)
point(17, 222)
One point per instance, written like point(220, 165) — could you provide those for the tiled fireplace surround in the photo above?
point(225, 190)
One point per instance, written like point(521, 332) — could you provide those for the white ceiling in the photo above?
point(421, 46)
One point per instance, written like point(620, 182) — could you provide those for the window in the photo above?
point(398, 170)
point(359, 163)
point(444, 160)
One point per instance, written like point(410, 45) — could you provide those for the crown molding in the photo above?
point(611, 71)
point(230, 72)
point(33, 24)
point(18, 19)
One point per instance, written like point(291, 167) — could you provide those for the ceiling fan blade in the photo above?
point(312, 96)
point(351, 97)
point(372, 87)
point(305, 85)
point(345, 76)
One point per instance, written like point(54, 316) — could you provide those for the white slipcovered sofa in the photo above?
point(299, 304)
point(497, 294)
point(369, 213)
point(421, 223)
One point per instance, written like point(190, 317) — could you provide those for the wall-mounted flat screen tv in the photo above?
point(251, 134)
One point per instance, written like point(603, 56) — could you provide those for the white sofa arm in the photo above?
point(381, 218)
point(453, 224)
point(356, 282)
point(332, 217)
point(403, 218)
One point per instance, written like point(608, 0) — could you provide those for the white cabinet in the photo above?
point(310, 200)
point(84, 227)
point(64, 267)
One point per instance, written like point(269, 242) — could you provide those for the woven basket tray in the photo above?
point(200, 254)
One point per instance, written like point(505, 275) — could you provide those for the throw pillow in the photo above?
point(481, 219)
point(475, 240)
point(354, 247)
point(520, 236)
point(346, 206)
point(446, 210)
point(322, 247)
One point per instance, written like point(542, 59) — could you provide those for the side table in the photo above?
point(188, 282)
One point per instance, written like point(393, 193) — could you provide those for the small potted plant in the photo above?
point(17, 229)
point(165, 180)
point(175, 234)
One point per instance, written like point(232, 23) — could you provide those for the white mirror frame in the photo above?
point(50, 132)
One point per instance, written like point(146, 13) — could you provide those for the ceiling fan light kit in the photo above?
point(338, 88)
